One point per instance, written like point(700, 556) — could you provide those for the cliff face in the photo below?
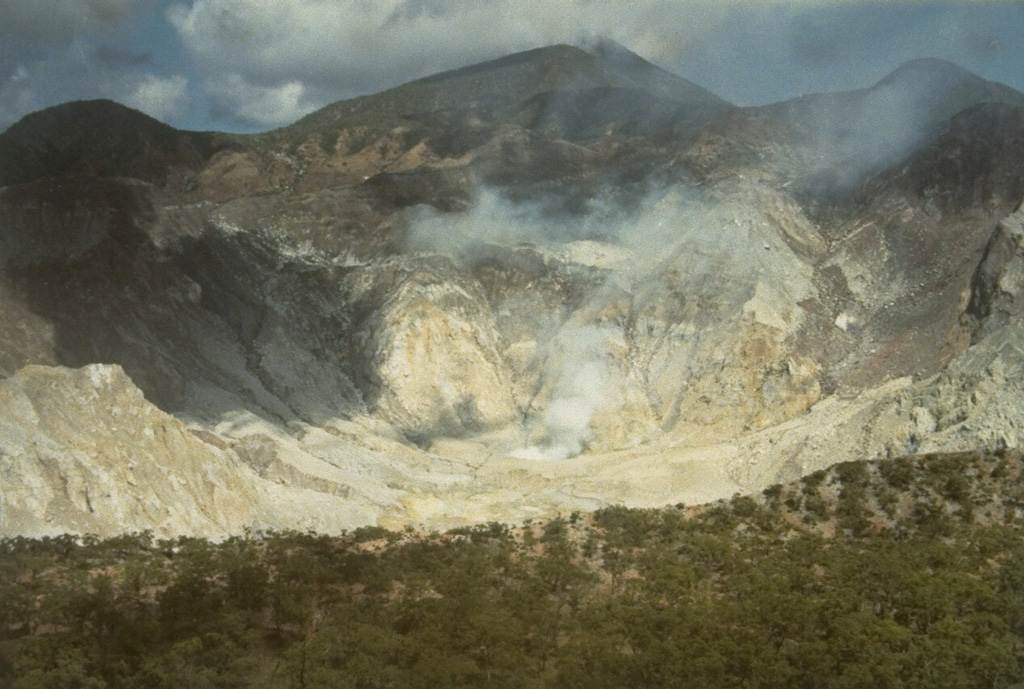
point(543, 296)
point(83, 450)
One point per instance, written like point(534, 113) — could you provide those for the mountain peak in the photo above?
point(547, 56)
point(95, 137)
point(597, 63)
point(512, 88)
point(609, 50)
point(936, 90)
point(81, 115)
point(929, 71)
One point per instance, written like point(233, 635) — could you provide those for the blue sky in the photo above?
point(251, 65)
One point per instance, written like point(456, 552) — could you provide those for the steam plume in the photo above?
point(582, 384)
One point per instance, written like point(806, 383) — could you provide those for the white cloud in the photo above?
point(263, 62)
point(341, 48)
point(162, 98)
point(363, 41)
point(17, 96)
point(34, 85)
point(49, 22)
point(748, 51)
point(236, 99)
point(53, 51)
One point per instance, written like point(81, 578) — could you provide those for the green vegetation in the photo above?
point(907, 573)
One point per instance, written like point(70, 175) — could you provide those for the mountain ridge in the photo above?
point(579, 299)
point(614, 80)
point(98, 138)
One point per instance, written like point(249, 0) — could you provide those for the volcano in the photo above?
point(555, 281)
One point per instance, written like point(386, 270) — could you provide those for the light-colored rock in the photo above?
point(435, 350)
point(82, 450)
point(418, 390)
point(459, 301)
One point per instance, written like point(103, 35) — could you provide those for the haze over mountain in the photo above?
point(554, 281)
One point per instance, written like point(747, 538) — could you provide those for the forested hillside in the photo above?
point(899, 573)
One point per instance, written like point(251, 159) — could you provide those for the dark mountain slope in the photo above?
point(848, 135)
point(974, 162)
point(913, 236)
point(519, 89)
point(99, 139)
point(914, 99)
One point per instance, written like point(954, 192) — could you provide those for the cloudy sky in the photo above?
point(249, 65)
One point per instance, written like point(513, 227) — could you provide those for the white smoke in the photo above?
point(495, 219)
point(580, 375)
point(674, 240)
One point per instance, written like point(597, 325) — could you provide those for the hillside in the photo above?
point(98, 139)
point(542, 88)
point(559, 281)
point(903, 573)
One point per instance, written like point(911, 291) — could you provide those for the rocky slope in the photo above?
point(555, 281)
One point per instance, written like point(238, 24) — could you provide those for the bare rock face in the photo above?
point(81, 450)
point(25, 337)
point(976, 399)
point(582, 281)
point(434, 350)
